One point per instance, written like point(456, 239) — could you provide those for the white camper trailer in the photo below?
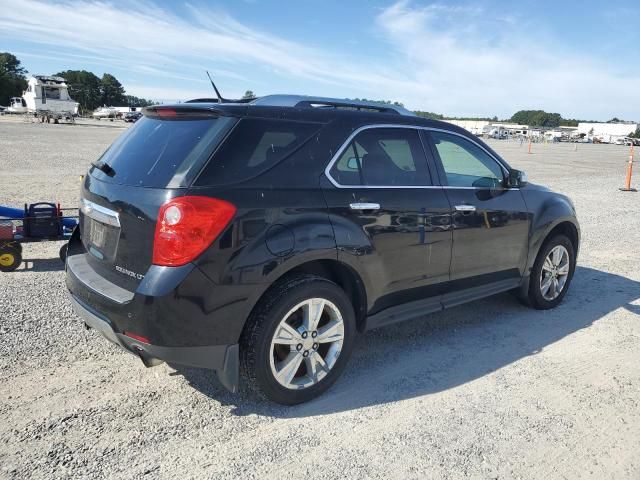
point(48, 97)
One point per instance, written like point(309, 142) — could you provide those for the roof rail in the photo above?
point(324, 102)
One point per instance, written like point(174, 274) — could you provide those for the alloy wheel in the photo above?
point(306, 344)
point(554, 273)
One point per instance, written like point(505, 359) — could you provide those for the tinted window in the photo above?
point(253, 146)
point(161, 153)
point(466, 164)
point(383, 157)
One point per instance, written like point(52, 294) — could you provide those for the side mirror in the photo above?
point(516, 179)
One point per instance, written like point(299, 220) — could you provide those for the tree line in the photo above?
point(91, 91)
point(86, 88)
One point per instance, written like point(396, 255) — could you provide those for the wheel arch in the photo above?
point(563, 226)
point(552, 213)
point(331, 269)
point(567, 229)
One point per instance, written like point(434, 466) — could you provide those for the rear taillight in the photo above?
point(187, 226)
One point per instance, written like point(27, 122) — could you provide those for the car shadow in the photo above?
point(446, 349)
point(41, 265)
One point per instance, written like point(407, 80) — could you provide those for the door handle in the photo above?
point(364, 206)
point(465, 208)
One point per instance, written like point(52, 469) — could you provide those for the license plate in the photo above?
point(98, 234)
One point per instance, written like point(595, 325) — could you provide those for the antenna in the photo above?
point(220, 99)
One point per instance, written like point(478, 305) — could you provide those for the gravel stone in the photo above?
point(486, 390)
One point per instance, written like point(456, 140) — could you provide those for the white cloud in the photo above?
point(474, 63)
point(455, 60)
point(144, 34)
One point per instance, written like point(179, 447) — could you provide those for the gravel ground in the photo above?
point(487, 390)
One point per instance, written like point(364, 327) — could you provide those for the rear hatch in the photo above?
point(148, 165)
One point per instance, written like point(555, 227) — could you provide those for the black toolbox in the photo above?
point(42, 220)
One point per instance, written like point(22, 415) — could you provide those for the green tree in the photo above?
point(248, 95)
point(537, 118)
point(84, 88)
point(112, 90)
point(383, 102)
point(430, 115)
point(12, 81)
point(570, 122)
point(134, 101)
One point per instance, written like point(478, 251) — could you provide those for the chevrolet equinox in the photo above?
point(258, 238)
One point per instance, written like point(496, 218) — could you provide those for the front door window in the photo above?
point(466, 164)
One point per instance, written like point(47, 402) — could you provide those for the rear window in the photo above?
point(254, 146)
point(163, 153)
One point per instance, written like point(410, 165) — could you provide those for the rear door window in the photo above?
point(383, 157)
point(163, 152)
point(254, 145)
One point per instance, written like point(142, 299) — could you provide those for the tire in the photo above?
point(63, 252)
point(260, 358)
point(10, 258)
point(538, 297)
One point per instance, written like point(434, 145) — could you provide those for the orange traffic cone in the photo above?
point(627, 183)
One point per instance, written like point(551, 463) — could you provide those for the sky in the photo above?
point(460, 58)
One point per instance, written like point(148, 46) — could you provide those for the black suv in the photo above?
point(260, 237)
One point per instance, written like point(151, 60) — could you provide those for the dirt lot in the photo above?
point(487, 390)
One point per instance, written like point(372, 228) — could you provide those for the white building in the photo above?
point(606, 132)
point(474, 126)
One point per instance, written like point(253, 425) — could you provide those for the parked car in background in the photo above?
point(262, 237)
point(132, 116)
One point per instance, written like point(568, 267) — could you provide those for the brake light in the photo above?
point(166, 112)
point(137, 337)
point(187, 226)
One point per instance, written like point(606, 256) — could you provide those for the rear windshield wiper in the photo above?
point(104, 167)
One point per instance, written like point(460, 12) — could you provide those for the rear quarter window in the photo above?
point(163, 152)
point(254, 146)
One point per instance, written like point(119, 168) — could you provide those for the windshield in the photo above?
point(162, 152)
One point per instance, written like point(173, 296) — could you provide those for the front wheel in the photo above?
point(298, 341)
point(552, 273)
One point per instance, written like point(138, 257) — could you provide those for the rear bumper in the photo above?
point(224, 359)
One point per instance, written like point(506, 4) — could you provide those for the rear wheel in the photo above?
point(298, 341)
point(63, 252)
point(552, 273)
point(10, 258)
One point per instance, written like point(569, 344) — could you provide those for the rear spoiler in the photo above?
point(178, 112)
